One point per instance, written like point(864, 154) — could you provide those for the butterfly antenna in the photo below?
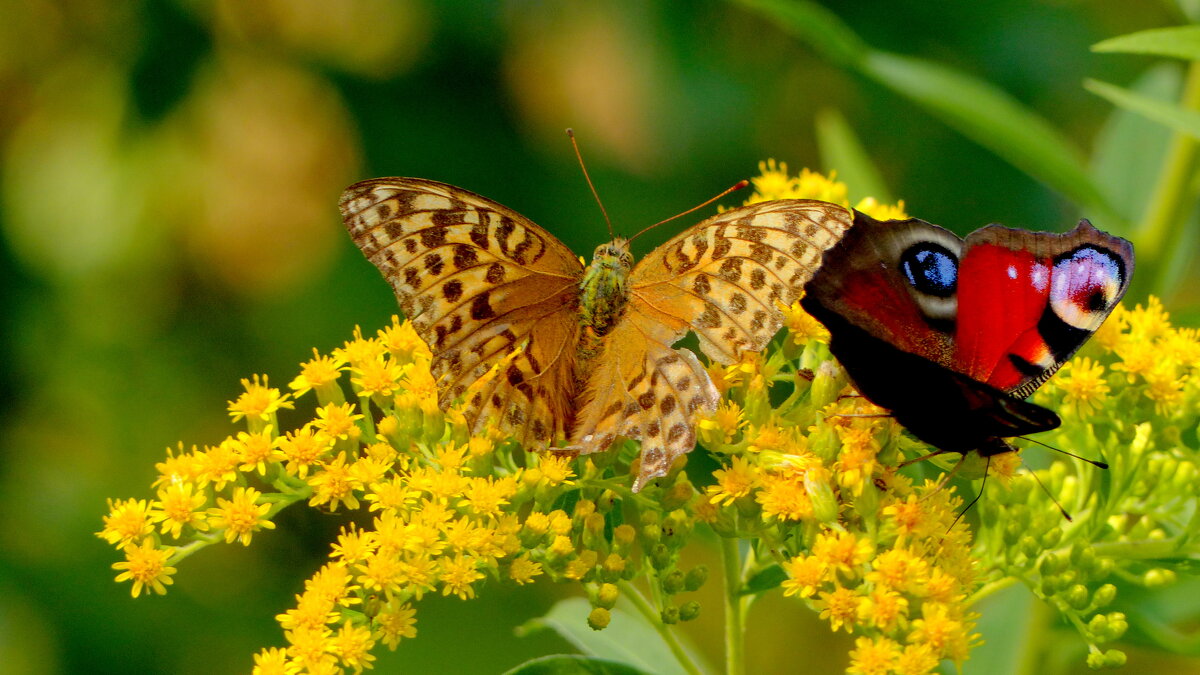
point(1048, 494)
point(738, 186)
point(977, 495)
point(1094, 462)
point(579, 156)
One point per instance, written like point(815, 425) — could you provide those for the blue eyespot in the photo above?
point(931, 269)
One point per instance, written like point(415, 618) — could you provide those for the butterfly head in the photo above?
point(614, 257)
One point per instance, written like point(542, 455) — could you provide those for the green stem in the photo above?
point(655, 619)
point(1037, 631)
point(735, 627)
point(1173, 197)
point(990, 588)
point(1140, 550)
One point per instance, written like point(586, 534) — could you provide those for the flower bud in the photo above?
point(670, 615)
point(689, 611)
point(660, 557)
point(677, 527)
point(1104, 596)
point(695, 578)
point(679, 495)
point(606, 501)
point(593, 532)
point(828, 382)
point(623, 537)
point(598, 619)
point(1158, 577)
point(673, 582)
point(1030, 546)
point(613, 567)
point(1051, 538)
point(607, 595)
point(820, 492)
point(583, 509)
point(1077, 597)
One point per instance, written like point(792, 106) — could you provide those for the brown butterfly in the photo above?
point(589, 349)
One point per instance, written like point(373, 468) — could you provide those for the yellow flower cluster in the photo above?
point(448, 510)
point(811, 482)
point(1138, 353)
point(774, 182)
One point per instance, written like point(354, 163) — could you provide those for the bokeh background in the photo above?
point(169, 174)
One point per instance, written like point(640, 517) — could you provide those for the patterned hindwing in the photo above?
point(483, 286)
point(639, 387)
point(726, 277)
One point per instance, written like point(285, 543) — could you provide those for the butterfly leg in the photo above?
point(977, 494)
point(922, 458)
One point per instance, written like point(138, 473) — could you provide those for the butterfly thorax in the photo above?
point(603, 291)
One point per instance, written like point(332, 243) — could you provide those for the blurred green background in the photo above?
point(169, 174)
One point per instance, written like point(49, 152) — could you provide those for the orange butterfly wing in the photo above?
point(725, 279)
point(483, 286)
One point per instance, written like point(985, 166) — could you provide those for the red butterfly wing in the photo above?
point(1028, 300)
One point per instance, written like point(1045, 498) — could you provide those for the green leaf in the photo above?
point(628, 639)
point(841, 151)
point(1129, 150)
point(574, 664)
point(1008, 634)
point(765, 580)
point(1180, 42)
point(977, 109)
point(992, 118)
point(1180, 119)
point(819, 27)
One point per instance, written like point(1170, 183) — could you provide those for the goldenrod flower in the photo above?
point(843, 552)
point(379, 376)
point(1083, 386)
point(403, 343)
point(180, 508)
point(359, 350)
point(732, 483)
point(317, 373)
point(802, 327)
point(259, 401)
point(302, 448)
point(146, 565)
point(884, 609)
point(335, 484)
point(784, 496)
point(457, 576)
point(876, 656)
point(839, 607)
point(337, 421)
point(241, 516)
point(945, 635)
point(396, 621)
point(354, 545)
point(127, 521)
point(255, 450)
point(352, 646)
point(805, 575)
point(274, 661)
point(523, 570)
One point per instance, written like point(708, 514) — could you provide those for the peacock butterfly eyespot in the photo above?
point(1086, 284)
point(931, 269)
